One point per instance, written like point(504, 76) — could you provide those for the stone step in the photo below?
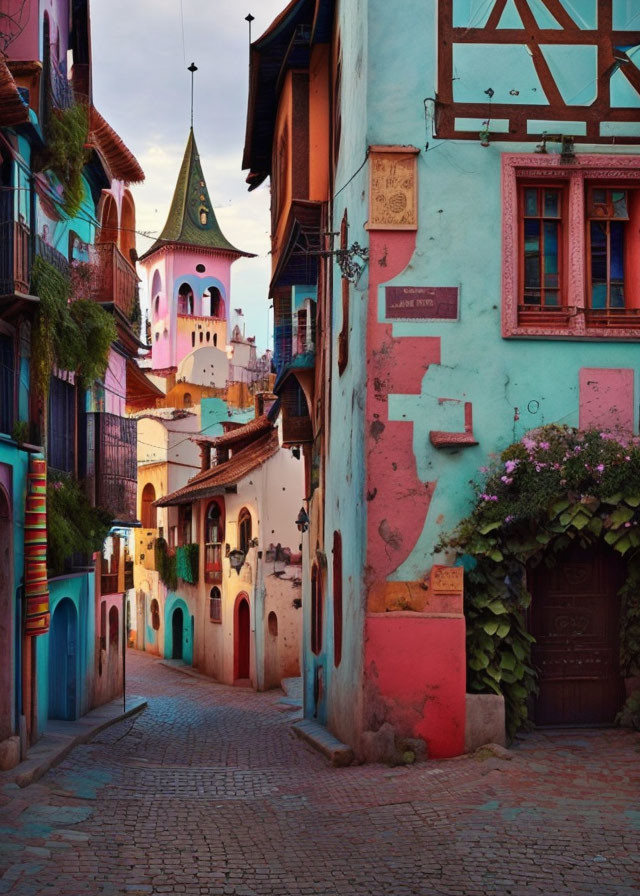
point(321, 739)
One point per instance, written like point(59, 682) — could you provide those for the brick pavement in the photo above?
point(208, 792)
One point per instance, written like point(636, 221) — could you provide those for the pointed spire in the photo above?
point(191, 219)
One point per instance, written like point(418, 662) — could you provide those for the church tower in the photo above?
point(188, 271)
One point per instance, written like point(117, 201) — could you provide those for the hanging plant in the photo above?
point(74, 526)
point(75, 337)
point(66, 152)
point(556, 487)
point(187, 557)
point(165, 564)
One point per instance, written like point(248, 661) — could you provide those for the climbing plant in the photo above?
point(187, 563)
point(74, 337)
point(74, 525)
point(556, 487)
point(66, 152)
point(165, 564)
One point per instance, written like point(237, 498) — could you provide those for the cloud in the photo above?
point(142, 87)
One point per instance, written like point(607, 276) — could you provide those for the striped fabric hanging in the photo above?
point(35, 549)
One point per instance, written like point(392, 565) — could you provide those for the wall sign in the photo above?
point(421, 302)
point(393, 188)
point(447, 579)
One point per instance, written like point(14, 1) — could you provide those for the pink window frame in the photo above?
point(577, 174)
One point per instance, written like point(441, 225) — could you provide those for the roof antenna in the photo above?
point(192, 68)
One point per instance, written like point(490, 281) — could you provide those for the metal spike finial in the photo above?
point(249, 19)
point(192, 68)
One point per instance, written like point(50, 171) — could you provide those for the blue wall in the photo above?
point(80, 589)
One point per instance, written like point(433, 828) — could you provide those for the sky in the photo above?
point(142, 87)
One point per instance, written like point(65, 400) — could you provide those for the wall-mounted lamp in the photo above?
point(236, 559)
point(303, 520)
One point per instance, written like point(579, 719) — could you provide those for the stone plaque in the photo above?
point(393, 188)
point(421, 302)
point(447, 579)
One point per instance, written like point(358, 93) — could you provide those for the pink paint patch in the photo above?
point(415, 666)
point(395, 366)
point(606, 398)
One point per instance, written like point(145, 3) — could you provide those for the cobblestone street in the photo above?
point(208, 792)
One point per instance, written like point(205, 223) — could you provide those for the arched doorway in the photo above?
point(148, 515)
point(63, 661)
point(177, 626)
point(575, 614)
point(242, 640)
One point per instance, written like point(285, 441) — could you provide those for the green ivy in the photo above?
point(187, 557)
point(165, 564)
point(66, 152)
point(556, 487)
point(74, 526)
point(73, 336)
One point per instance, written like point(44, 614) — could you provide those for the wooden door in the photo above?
point(243, 642)
point(575, 615)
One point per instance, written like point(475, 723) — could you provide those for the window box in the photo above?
point(571, 239)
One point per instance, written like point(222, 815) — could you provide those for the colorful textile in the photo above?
point(36, 587)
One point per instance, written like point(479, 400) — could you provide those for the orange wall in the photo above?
point(319, 123)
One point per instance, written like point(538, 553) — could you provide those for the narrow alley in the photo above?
point(207, 791)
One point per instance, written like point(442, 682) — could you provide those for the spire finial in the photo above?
point(192, 68)
point(249, 19)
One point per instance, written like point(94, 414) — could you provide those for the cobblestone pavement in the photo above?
point(208, 792)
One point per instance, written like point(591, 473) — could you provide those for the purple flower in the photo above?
point(510, 465)
point(545, 446)
point(509, 518)
point(506, 479)
point(600, 468)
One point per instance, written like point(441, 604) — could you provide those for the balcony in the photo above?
point(116, 280)
point(113, 478)
point(53, 257)
point(14, 258)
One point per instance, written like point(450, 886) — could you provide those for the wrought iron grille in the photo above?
point(7, 383)
point(116, 469)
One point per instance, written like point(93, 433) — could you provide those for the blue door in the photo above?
point(63, 662)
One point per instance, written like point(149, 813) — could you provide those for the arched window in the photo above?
point(215, 338)
point(337, 598)
point(156, 306)
point(216, 306)
point(127, 241)
point(213, 536)
point(187, 401)
point(244, 530)
point(316, 610)
point(148, 515)
point(108, 220)
point(208, 336)
point(155, 615)
point(185, 299)
point(113, 628)
point(215, 605)
point(272, 623)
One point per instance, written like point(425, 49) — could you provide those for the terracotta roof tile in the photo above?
point(238, 434)
point(121, 161)
point(210, 482)
point(13, 110)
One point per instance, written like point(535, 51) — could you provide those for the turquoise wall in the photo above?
point(214, 412)
point(172, 603)
point(458, 244)
point(80, 589)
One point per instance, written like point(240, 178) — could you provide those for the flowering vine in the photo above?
point(555, 487)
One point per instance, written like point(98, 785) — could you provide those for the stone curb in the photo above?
point(324, 742)
point(61, 737)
